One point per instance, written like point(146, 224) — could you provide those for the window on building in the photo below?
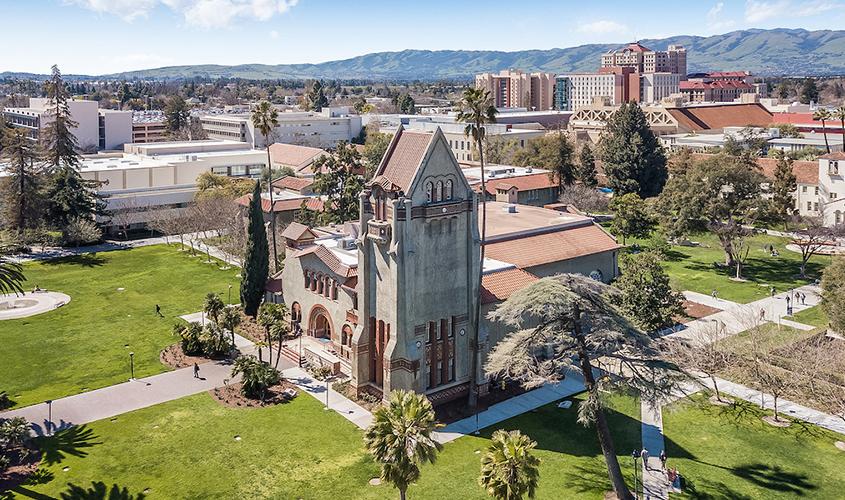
point(817, 191)
point(448, 194)
point(803, 189)
point(438, 191)
point(429, 192)
point(809, 205)
point(833, 196)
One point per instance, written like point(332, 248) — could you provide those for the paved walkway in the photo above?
point(655, 484)
point(517, 405)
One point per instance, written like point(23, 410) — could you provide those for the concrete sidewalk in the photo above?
point(336, 402)
point(517, 405)
point(655, 483)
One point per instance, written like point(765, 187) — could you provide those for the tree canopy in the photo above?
point(337, 177)
point(631, 155)
point(257, 260)
point(647, 297)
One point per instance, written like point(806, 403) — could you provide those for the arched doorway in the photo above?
point(319, 323)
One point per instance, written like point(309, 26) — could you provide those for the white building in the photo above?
point(655, 87)
point(97, 129)
point(832, 187)
point(149, 179)
point(463, 146)
point(305, 128)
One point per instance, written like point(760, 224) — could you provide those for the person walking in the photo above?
point(772, 291)
point(644, 456)
point(196, 370)
point(803, 298)
point(158, 311)
point(663, 459)
point(715, 294)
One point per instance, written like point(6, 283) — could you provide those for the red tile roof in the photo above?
point(329, 259)
point(839, 155)
point(637, 47)
point(402, 159)
point(297, 157)
point(723, 84)
point(720, 116)
point(552, 247)
point(293, 183)
point(311, 202)
point(499, 285)
point(521, 182)
point(295, 231)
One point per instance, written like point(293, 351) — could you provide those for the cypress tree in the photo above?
point(631, 155)
point(257, 260)
point(587, 167)
point(783, 190)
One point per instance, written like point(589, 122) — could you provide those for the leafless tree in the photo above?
point(812, 236)
point(584, 198)
point(128, 214)
point(701, 354)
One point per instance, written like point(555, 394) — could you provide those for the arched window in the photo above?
point(438, 191)
point(448, 194)
point(429, 194)
point(320, 283)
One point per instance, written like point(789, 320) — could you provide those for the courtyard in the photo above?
point(85, 344)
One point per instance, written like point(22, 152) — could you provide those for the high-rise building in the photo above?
point(644, 60)
point(516, 89)
point(613, 85)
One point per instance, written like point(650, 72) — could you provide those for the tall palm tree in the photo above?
point(508, 469)
point(400, 438)
point(230, 318)
point(477, 110)
point(268, 315)
point(823, 115)
point(213, 306)
point(839, 113)
point(265, 118)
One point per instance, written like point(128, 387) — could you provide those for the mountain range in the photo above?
point(775, 52)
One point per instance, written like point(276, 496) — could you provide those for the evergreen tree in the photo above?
point(631, 217)
point(70, 196)
point(552, 152)
point(809, 91)
point(587, 167)
point(337, 178)
point(316, 99)
point(783, 190)
point(22, 189)
point(176, 114)
point(647, 298)
point(257, 259)
point(631, 155)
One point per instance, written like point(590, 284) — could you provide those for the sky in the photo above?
point(107, 36)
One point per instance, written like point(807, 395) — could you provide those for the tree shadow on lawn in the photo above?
point(760, 271)
point(72, 441)
point(82, 260)
point(98, 491)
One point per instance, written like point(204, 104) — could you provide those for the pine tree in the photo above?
point(783, 190)
point(316, 99)
point(631, 155)
point(257, 259)
point(176, 114)
point(70, 196)
point(587, 167)
point(22, 189)
point(336, 178)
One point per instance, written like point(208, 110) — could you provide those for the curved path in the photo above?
point(14, 306)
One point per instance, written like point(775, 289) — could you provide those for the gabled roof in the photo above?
point(717, 117)
point(297, 157)
point(499, 285)
point(293, 183)
point(328, 258)
point(296, 231)
point(552, 247)
point(311, 202)
point(520, 182)
point(403, 158)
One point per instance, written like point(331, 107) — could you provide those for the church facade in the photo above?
point(390, 301)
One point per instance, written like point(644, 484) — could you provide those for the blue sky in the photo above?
point(105, 36)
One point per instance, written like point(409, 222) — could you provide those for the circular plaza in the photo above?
point(14, 306)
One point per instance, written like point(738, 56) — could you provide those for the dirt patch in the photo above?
point(249, 329)
point(175, 358)
point(21, 470)
point(231, 396)
point(458, 409)
point(694, 310)
point(776, 423)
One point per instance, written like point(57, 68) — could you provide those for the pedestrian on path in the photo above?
point(715, 294)
point(762, 314)
point(158, 311)
point(803, 297)
point(772, 291)
point(644, 456)
point(196, 370)
point(663, 459)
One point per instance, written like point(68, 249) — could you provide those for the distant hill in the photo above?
point(792, 52)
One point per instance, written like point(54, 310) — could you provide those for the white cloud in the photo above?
point(760, 10)
point(202, 13)
point(603, 27)
point(714, 18)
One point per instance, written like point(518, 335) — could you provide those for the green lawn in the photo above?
point(814, 316)
point(733, 454)
point(187, 448)
point(697, 268)
point(85, 344)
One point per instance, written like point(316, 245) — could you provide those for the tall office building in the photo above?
point(644, 60)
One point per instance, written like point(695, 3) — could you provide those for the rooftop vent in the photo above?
point(347, 243)
point(510, 208)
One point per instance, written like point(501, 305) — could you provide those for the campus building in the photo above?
point(516, 89)
point(96, 129)
point(644, 60)
point(390, 299)
point(322, 129)
point(148, 126)
point(613, 85)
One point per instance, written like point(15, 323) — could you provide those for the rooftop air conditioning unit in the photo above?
point(510, 208)
point(347, 243)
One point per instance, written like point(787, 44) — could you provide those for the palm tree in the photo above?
point(11, 277)
point(268, 315)
point(265, 118)
point(839, 113)
point(230, 318)
point(213, 306)
point(823, 115)
point(400, 438)
point(508, 469)
point(476, 110)
point(256, 376)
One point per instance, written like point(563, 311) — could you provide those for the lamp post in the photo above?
point(132, 365)
point(635, 455)
point(299, 331)
point(477, 411)
point(49, 417)
point(327, 393)
point(230, 293)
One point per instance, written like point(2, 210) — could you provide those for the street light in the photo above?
point(230, 293)
point(477, 411)
point(299, 331)
point(49, 416)
point(327, 393)
point(132, 365)
point(635, 455)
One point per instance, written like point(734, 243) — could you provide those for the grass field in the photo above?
point(732, 454)
point(814, 316)
point(187, 448)
point(700, 268)
point(85, 344)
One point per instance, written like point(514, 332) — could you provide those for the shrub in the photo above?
point(256, 376)
point(189, 333)
point(5, 400)
point(5, 462)
point(215, 341)
point(14, 433)
point(319, 372)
